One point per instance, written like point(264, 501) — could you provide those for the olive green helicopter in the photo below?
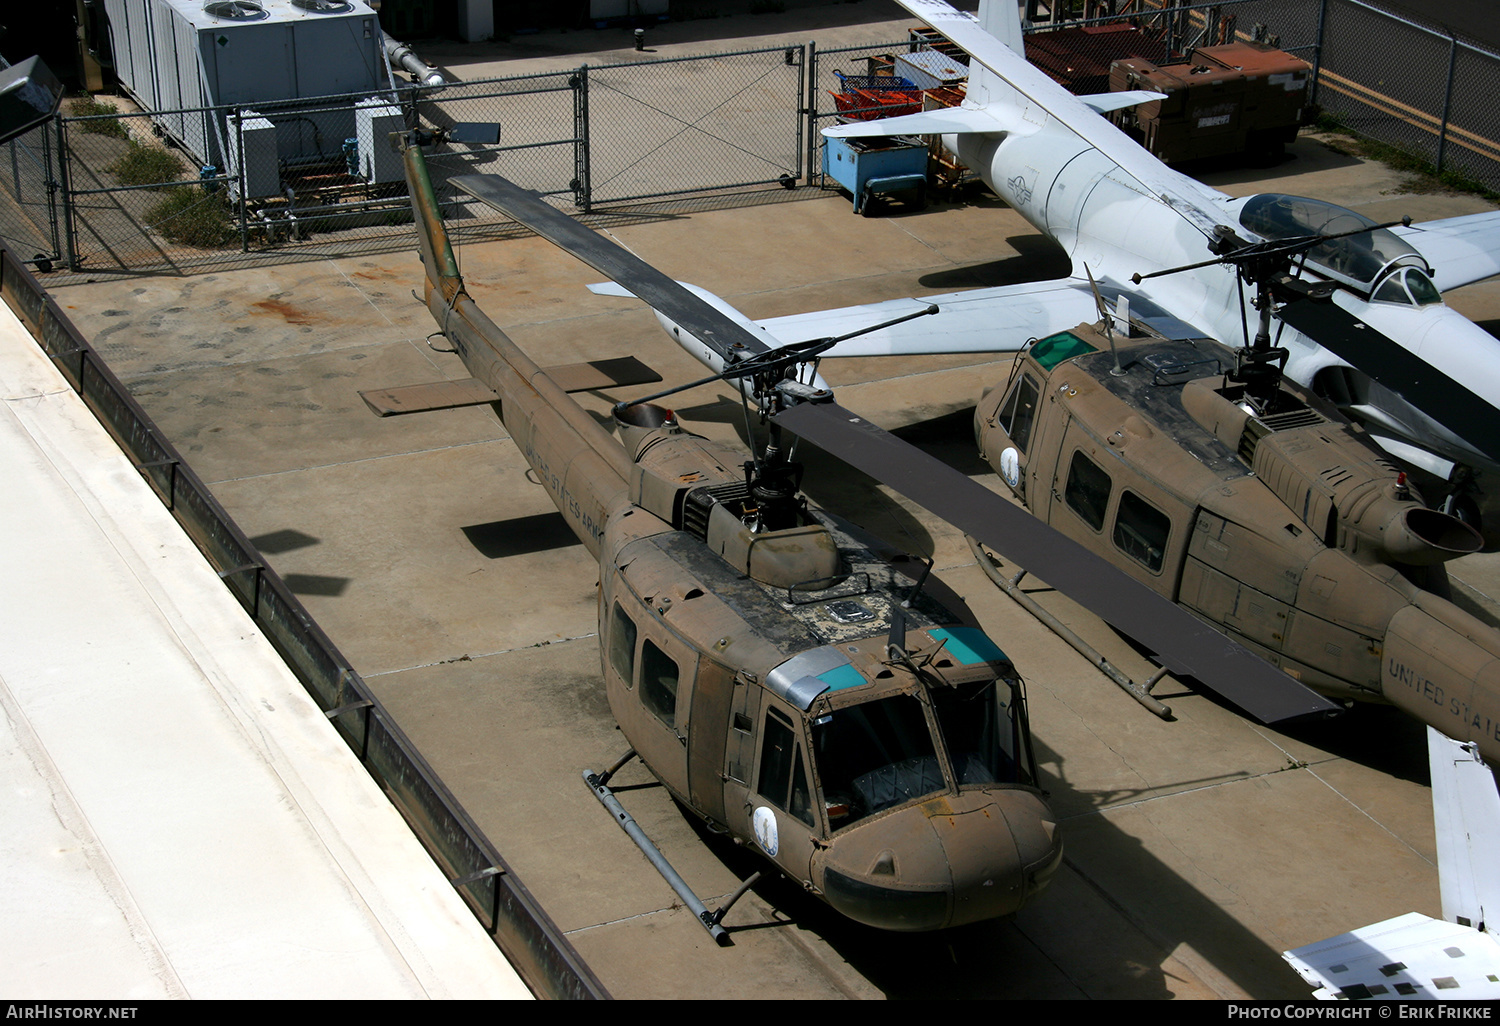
point(796, 684)
point(1217, 482)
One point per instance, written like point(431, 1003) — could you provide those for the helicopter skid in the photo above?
point(708, 920)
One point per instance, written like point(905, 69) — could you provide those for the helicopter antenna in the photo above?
point(921, 580)
point(1116, 371)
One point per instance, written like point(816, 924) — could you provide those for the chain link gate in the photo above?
point(718, 121)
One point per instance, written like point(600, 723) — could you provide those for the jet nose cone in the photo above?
point(946, 862)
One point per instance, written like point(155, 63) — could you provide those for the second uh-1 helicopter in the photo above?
point(792, 682)
point(1212, 479)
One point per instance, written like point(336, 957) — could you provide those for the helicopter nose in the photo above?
point(944, 862)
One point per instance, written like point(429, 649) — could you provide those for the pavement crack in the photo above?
point(469, 657)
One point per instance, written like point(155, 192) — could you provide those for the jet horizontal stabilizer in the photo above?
point(1106, 102)
point(450, 395)
point(944, 121)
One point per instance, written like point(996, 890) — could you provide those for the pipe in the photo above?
point(405, 59)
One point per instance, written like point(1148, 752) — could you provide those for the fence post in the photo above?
point(67, 194)
point(50, 183)
point(1317, 61)
point(814, 155)
point(1447, 99)
point(583, 187)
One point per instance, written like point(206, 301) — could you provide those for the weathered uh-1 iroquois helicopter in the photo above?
point(789, 680)
point(1208, 476)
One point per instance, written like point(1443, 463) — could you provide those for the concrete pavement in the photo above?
point(1197, 849)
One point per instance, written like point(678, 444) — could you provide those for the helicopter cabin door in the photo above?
point(657, 670)
point(783, 817)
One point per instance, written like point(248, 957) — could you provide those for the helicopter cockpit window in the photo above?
point(783, 779)
point(982, 731)
point(874, 756)
point(1088, 490)
point(1357, 259)
point(622, 645)
point(659, 683)
point(1141, 531)
point(1019, 411)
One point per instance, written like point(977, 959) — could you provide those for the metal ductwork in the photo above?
point(403, 58)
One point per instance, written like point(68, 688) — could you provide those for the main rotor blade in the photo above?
point(1386, 361)
point(1178, 640)
point(730, 340)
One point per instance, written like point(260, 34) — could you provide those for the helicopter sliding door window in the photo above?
point(1141, 531)
point(622, 645)
point(1088, 490)
point(659, 675)
point(783, 779)
point(1019, 411)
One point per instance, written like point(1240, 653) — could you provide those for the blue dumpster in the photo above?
point(866, 168)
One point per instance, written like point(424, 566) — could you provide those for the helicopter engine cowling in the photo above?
point(1349, 495)
point(869, 872)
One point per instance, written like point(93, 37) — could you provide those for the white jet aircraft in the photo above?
point(1378, 340)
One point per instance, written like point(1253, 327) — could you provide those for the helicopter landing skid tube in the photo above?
point(599, 784)
point(1011, 586)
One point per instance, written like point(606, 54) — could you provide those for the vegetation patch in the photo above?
point(1422, 175)
point(192, 216)
point(87, 106)
point(146, 165)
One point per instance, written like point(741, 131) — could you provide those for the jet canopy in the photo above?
point(1360, 261)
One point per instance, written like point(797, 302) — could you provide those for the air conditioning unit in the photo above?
point(177, 55)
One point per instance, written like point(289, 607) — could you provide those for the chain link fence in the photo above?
point(96, 191)
point(694, 124)
point(1430, 93)
point(29, 199)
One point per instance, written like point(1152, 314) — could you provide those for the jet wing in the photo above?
point(1460, 250)
point(992, 320)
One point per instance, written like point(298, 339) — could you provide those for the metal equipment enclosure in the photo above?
point(172, 55)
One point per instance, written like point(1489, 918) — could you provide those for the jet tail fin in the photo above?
point(1466, 812)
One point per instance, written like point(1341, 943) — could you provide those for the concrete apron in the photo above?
point(1197, 849)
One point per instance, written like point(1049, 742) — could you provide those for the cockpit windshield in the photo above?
point(873, 756)
point(1359, 260)
point(882, 753)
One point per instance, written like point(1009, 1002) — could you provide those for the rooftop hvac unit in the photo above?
point(176, 55)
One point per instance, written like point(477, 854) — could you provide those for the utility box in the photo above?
point(1079, 58)
point(374, 121)
point(929, 69)
point(257, 147)
point(178, 56)
point(867, 168)
point(1239, 98)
